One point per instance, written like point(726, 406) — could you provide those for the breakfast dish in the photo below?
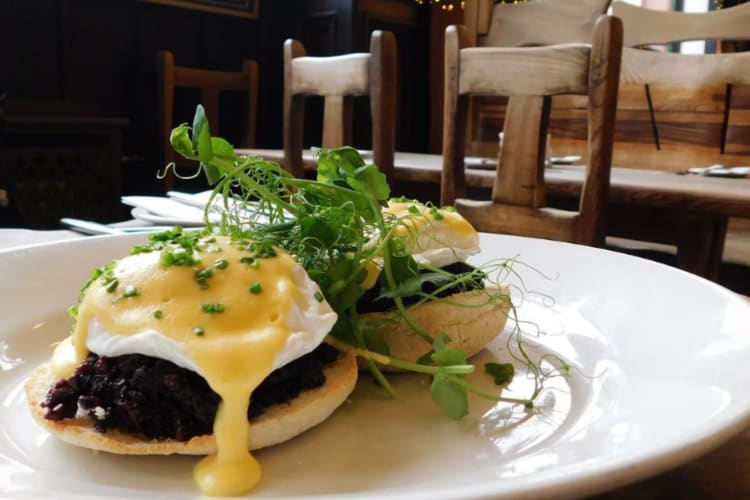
point(212, 342)
point(169, 344)
point(244, 335)
point(626, 411)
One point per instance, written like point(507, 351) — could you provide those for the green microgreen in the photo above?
point(335, 227)
point(502, 372)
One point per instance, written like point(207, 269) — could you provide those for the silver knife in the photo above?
point(94, 228)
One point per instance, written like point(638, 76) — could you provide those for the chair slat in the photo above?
point(543, 22)
point(545, 222)
point(645, 66)
point(651, 27)
point(202, 78)
point(328, 76)
point(561, 69)
point(520, 173)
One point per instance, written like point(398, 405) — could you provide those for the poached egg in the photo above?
point(434, 236)
point(230, 310)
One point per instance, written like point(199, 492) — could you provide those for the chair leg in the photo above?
point(700, 245)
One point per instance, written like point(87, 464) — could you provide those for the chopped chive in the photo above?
point(250, 261)
point(130, 291)
point(221, 263)
point(112, 285)
point(201, 276)
point(213, 308)
point(413, 209)
point(158, 314)
point(318, 296)
point(198, 331)
point(256, 288)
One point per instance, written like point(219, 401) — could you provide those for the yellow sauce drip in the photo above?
point(234, 353)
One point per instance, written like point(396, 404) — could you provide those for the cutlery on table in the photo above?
point(719, 170)
point(96, 228)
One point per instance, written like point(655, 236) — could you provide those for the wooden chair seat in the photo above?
point(338, 79)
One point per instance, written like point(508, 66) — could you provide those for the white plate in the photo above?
point(185, 221)
point(657, 356)
point(165, 211)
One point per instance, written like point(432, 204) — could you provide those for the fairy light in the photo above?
point(450, 5)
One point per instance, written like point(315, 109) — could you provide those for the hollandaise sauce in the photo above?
point(226, 304)
point(417, 219)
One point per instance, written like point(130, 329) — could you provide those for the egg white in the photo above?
point(309, 321)
point(437, 243)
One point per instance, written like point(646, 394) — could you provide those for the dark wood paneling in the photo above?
point(103, 52)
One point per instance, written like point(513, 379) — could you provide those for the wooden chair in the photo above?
point(338, 79)
point(211, 84)
point(538, 23)
point(535, 74)
point(686, 80)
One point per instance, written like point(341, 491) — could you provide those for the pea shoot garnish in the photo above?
point(502, 372)
point(337, 229)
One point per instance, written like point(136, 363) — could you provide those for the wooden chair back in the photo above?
point(338, 79)
point(653, 27)
point(537, 23)
point(530, 76)
point(211, 84)
point(543, 22)
point(689, 97)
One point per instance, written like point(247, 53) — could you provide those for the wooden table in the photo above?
point(688, 211)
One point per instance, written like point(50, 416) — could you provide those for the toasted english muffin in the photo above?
point(469, 319)
point(275, 425)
